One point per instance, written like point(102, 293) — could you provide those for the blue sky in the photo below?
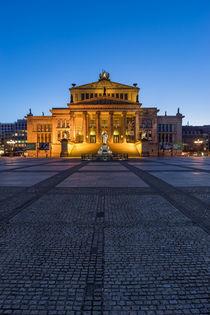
point(164, 46)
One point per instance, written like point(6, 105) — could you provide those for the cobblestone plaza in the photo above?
point(127, 237)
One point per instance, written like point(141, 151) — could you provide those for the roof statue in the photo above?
point(104, 76)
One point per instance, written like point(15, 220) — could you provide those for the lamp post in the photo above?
point(11, 144)
point(198, 143)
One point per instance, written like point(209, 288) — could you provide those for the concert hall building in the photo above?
point(104, 106)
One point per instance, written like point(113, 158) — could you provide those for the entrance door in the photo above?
point(64, 147)
point(92, 139)
point(116, 139)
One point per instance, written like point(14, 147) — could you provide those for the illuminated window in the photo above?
point(104, 123)
point(92, 123)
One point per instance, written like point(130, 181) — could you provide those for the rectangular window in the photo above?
point(117, 95)
point(87, 96)
point(82, 96)
point(126, 96)
point(112, 94)
point(159, 137)
point(91, 95)
point(162, 127)
point(166, 127)
point(67, 124)
point(108, 94)
point(121, 96)
point(170, 138)
point(96, 94)
point(63, 124)
point(92, 123)
point(170, 127)
point(59, 124)
point(104, 123)
point(99, 94)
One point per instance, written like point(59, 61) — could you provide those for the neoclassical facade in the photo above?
point(103, 106)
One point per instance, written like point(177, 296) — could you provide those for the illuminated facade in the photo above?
point(103, 106)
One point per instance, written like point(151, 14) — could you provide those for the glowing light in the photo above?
point(198, 141)
point(11, 142)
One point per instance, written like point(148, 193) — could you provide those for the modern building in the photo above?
point(13, 136)
point(196, 139)
point(103, 106)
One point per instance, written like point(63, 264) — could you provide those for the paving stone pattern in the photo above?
point(79, 248)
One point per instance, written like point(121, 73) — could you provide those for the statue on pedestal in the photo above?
point(104, 137)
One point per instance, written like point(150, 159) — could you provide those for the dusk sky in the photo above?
point(164, 46)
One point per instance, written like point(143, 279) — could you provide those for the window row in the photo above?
point(165, 127)
point(86, 96)
point(165, 137)
point(44, 127)
point(146, 123)
point(44, 137)
point(63, 123)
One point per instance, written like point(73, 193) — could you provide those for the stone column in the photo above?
point(84, 126)
point(72, 126)
point(137, 127)
point(124, 126)
point(110, 135)
point(98, 127)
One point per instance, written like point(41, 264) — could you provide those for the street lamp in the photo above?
point(11, 143)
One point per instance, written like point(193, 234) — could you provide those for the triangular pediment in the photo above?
point(106, 84)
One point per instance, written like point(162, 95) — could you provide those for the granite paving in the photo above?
point(104, 238)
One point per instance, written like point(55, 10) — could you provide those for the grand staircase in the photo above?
point(126, 148)
point(92, 148)
point(84, 148)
